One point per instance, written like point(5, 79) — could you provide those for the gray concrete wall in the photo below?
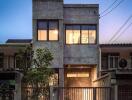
point(50, 10)
point(73, 14)
point(81, 14)
point(81, 54)
point(43, 9)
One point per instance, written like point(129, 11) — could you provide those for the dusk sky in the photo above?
point(16, 19)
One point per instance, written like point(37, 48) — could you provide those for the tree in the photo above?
point(39, 74)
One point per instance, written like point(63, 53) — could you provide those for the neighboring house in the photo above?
point(116, 69)
point(10, 78)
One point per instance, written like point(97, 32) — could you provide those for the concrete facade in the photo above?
point(66, 14)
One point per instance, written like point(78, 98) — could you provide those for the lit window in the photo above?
point(78, 74)
point(92, 34)
point(84, 38)
point(42, 35)
point(73, 34)
point(42, 30)
point(80, 34)
point(54, 80)
point(53, 31)
point(47, 30)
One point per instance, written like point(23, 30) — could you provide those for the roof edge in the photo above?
point(81, 5)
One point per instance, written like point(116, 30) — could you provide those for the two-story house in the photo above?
point(10, 77)
point(116, 69)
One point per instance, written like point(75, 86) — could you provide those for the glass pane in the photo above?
point(53, 30)
point(54, 80)
point(73, 34)
point(69, 37)
point(76, 35)
point(42, 34)
point(53, 34)
point(84, 37)
point(116, 62)
point(42, 25)
point(91, 27)
point(53, 25)
point(92, 36)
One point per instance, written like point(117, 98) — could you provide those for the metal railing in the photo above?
point(71, 93)
point(6, 95)
point(31, 93)
point(81, 93)
point(125, 92)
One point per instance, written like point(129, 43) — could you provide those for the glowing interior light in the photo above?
point(56, 31)
point(78, 75)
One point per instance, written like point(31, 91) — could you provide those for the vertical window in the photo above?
point(1, 60)
point(53, 30)
point(131, 59)
point(17, 61)
point(42, 30)
point(47, 30)
point(80, 34)
point(113, 60)
point(54, 79)
point(104, 61)
point(22, 61)
point(92, 34)
point(85, 35)
point(73, 34)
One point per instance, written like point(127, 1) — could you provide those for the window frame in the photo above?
point(113, 56)
point(41, 20)
point(2, 56)
point(130, 60)
point(81, 34)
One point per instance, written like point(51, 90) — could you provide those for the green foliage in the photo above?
point(23, 58)
point(38, 74)
point(36, 69)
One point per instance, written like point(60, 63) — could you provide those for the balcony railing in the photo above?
point(74, 93)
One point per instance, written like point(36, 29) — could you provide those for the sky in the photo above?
point(16, 19)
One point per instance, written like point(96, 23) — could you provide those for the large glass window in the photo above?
point(80, 34)
point(47, 30)
point(1, 60)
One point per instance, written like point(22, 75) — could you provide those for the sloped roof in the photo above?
point(19, 41)
point(117, 45)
